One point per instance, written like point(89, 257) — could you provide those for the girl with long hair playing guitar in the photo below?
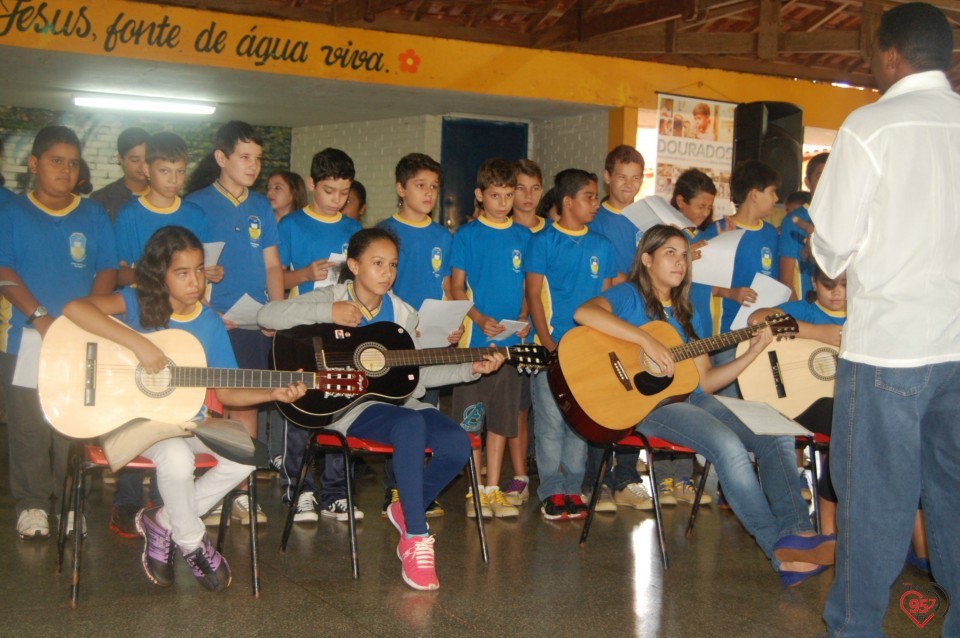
point(773, 512)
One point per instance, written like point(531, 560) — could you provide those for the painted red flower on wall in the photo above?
point(409, 61)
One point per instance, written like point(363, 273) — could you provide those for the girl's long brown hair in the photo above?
point(652, 240)
point(151, 273)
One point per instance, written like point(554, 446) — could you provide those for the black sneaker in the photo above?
point(123, 521)
point(554, 508)
point(157, 557)
point(209, 566)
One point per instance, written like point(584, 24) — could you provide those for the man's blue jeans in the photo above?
point(769, 512)
point(896, 441)
point(561, 453)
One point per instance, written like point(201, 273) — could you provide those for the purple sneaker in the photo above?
point(157, 557)
point(209, 566)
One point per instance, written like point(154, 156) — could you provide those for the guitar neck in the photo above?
point(439, 356)
point(187, 377)
point(711, 344)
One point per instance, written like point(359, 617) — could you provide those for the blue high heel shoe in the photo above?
point(792, 579)
point(817, 549)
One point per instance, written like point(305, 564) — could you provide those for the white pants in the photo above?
point(186, 499)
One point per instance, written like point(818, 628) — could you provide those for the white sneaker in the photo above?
point(212, 518)
point(606, 503)
point(338, 510)
point(634, 495)
point(306, 509)
point(83, 526)
point(485, 510)
point(241, 511)
point(33, 524)
point(500, 506)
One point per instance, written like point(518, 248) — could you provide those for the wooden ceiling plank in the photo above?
point(827, 17)
point(820, 41)
point(768, 42)
point(552, 15)
point(634, 17)
point(869, 22)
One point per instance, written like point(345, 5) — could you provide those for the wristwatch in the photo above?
point(37, 314)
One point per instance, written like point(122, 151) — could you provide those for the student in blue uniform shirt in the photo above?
point(166, 168)
point(310, 235)
point(244, 221)
point(56, 246)
point(568, 264)
point(623, 176)
point(170, 287)
point(753, 188)
point(796, 272)
point(487, 268)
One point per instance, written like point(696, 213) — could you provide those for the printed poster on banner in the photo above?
point(695, 133)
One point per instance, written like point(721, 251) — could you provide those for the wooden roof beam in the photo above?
point(635, 17)
point(768, 30)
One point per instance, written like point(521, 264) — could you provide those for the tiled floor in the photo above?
point(539, 582)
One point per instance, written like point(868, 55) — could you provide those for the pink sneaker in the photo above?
point(419, 564)
point(395, 516)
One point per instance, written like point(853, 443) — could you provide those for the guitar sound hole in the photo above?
point(372, 359)
point(649, 385)
point(156, 386)
point(823, 364)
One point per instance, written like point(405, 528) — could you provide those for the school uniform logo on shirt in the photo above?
point(78, 249)
point(436, 259)
point(594, 266)
point(343, 248)
point(766, 260)
point(253, 230)
point(517, 261)
point(638, 237)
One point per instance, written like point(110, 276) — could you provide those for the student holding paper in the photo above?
point(772, 510)
point(487, 267)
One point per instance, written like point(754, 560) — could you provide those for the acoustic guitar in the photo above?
point(90, 386)
point(383, 353)
point(605, 386)
point(790, 375)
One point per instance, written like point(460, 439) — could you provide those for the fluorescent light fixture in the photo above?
point(138, 103)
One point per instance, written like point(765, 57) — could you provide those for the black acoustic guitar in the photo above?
point(383, 353)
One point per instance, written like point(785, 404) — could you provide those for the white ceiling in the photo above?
point(48, 79)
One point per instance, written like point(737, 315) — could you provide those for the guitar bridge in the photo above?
point(620, 372)
point(90, 376)
point(777, 377)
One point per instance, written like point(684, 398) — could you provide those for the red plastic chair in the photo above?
point(653, 446)
point(85, 459)
point(349, 446)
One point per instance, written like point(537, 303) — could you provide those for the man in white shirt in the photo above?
point(887, 210)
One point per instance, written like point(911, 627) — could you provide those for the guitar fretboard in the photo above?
point(710, 344)
point(437, 356)
point(186, 377)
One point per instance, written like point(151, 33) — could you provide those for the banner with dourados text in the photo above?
point(695, 133)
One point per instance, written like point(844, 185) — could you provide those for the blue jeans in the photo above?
point(895, 441)
point(621, 473)
point(769, 512)
point(410, 432)
point(561, 453)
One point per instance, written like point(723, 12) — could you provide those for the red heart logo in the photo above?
point(916, 606)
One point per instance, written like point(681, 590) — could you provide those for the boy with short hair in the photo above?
point(307, 239)
point(527, 198)
point(139, 218)
point(487, 268)
point(623, 176)
point(308, 236)
point(55, 246)
point(753, 188)
point(244, 221)
point(568, 264)
point(356, 206)
point(131, 154)
point(795, 271)
point(423, 271)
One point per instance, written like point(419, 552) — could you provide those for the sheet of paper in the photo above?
point(438, 319)
point(770, 293)
point(654, 210)
point(715, 266)
point(211, 253)
point(512, 327)
point(244, 312)
point(333, 274)
point(28, 360)
point(763, 419)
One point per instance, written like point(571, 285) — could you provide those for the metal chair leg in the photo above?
point(73, 463)
point(595, 497)
point(696, 501)
point(815, 474)
point(474, 485)
point(351, 520)
point(656, 501)
point(77, 533)
point(305, 463)
point(254, 550)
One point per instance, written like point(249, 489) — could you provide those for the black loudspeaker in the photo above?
point(771, 132)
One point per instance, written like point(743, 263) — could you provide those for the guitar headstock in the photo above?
point(341, 383)
point(783, 326)
point(528, 357)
